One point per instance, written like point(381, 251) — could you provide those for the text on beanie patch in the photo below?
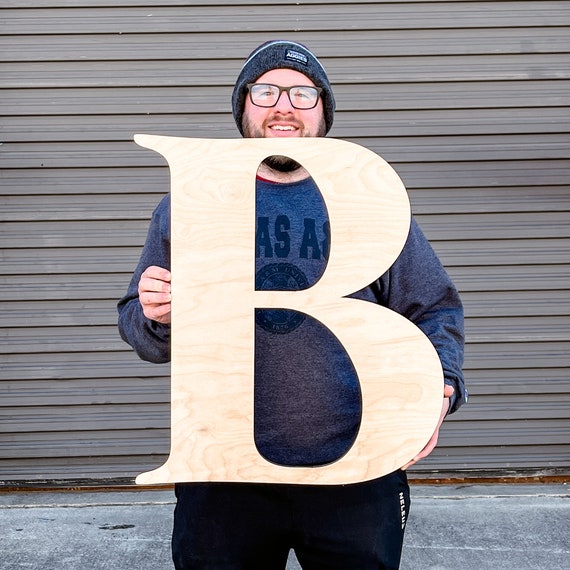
point(296, 56)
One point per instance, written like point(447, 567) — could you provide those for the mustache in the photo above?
point(280, 118)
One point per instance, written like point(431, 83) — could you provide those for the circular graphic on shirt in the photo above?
point(280, 277)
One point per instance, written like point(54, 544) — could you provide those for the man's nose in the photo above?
point(284, 103)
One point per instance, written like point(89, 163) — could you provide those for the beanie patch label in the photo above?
point(297, 56)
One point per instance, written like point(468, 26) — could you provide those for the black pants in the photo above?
point(242, 526)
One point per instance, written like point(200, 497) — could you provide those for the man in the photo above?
point(307, 401)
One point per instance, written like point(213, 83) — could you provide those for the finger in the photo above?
point(429, 447)
point(153, 285)
point(159, 313)
point(412, 462)
point(448, 391)
point(422, 455)
point(159, 273)
point(154, 299)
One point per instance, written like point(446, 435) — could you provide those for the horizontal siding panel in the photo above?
point(489, 382)
point(433, 122)
point(517, 407)
point(29, 208)
point(111, 286)
point(503, 252)
point(458, 95)
point(77, 155)
point(77, 468)
point(426, 176)
point(71, 181)
point(85, 418)
point(525, 277)
point(152, 3)
point(496, 458)
point(149, 3)
point(97, 101)
point(93, 338)
point(475, 148)
point(122, 259)
point(76, 442)
point(57, 225)
point(157, 441)
point(518, 329)
point(361, 43)
point(60, 313)
point(538, 173)
point(270, 17)
point(73, 366)
point(104, 338)
point(30, 313)
point(497, 356)
point(501, 225)
point(348, 124)
point(79, 234)
point(86, 391)
point(132, 388)
point(65, 287)
point(521, 303)
point(24, 212)
point(29, 185)
point(401, 149)
point(113, 128)
point(138, 3)
point(451, 460)
point(190, 72)
point(107, 232)
point(119, 74)
point(364, 97)
point(70, 260)
point(87, 444)
point(504, 432)
point(102, 312)
point(491, 200)
point(422, 68)
point(69, 206)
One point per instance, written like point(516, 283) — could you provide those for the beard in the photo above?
point(277, 162)
point(281, 163)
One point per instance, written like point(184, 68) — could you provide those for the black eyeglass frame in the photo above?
point(319, 90)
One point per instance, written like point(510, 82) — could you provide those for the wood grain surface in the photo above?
point(213, 229)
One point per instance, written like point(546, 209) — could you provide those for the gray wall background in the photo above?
point(467, 100)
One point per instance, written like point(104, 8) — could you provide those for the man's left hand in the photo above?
point(447, 393)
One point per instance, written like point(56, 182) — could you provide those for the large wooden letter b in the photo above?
point(214, 297)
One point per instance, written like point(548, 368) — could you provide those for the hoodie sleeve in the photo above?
point(149, 339)
point(418, 287)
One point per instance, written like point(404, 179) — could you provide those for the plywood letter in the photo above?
point(213, 213)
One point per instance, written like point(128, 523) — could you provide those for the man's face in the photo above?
point(283, 120)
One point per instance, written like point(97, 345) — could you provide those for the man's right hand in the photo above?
point(155, 294)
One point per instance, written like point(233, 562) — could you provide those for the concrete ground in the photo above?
point(462, 527)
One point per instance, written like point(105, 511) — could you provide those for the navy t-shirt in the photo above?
point(307, 397)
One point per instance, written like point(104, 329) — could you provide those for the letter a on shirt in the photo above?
point(214, 300)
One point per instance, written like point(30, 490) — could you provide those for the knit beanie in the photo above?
point(279, 54)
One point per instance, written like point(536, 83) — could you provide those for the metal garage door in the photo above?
point(467, 100)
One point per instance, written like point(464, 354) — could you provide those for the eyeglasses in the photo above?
point(267, 95)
